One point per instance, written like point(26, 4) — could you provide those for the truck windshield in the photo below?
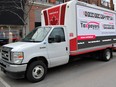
point(37, 35)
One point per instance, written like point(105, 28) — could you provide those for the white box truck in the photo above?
point(70, 29)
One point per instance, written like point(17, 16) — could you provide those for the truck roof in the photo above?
point(94, 6)
point(83, 4)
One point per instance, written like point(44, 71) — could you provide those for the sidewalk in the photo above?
point(1, 84)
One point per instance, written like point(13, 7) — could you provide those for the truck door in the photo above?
point(58, 45)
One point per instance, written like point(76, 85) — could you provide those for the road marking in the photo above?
point(4, 83)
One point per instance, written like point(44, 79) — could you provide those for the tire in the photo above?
point(36, 71)
point(107, 55)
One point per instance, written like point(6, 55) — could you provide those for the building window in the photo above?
point(105, 4)
point(40, 0)
point(59, 1)
point(84, 1)
point(52, 1)
point(37, 24)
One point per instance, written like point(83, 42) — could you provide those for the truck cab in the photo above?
point(49, 45)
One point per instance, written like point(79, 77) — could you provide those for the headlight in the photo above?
point(17, 57)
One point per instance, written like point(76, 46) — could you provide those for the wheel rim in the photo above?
point(108, 55)
point(38, 72)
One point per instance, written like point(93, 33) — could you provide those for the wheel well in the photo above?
point(110, 49)
point(106, 49)
point(43, 59)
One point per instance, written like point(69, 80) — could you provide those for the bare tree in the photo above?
point(24, 6)
point(20, 8)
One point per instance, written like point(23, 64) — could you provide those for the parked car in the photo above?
point(3, 39)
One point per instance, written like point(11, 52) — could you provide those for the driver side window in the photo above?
point(58, 31)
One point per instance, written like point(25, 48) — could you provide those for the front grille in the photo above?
point(2, 65)
point(6, 53)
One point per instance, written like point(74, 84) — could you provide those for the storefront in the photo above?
point(10, 33)
point(11, 21)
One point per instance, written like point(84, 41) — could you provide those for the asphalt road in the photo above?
point(82, 73)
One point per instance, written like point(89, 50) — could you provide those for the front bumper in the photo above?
point(12, 70)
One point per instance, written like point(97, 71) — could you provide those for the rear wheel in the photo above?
point(36, 71)
point(107, 55)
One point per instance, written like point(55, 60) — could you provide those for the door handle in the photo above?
point(66, 48)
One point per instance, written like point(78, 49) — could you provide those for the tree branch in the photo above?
point(14, 14)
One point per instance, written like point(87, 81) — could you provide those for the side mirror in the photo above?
point(57, 38)
point(50, 39)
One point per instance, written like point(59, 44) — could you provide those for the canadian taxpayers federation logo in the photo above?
point(54, 16)
point(54, 21)
point(90, 25)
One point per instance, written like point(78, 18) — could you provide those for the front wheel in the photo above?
point(36, 71)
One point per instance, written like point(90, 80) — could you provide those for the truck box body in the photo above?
point(90, 28)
